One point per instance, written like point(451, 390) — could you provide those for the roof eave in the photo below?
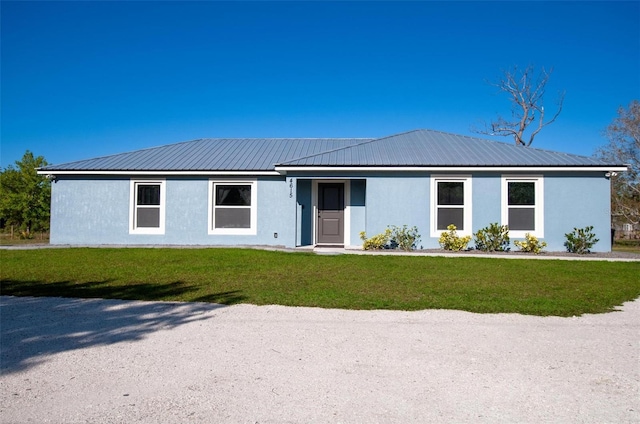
point(283, 169)
point(98, 172)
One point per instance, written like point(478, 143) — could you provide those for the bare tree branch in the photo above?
point(624, 149)
point(526, 91)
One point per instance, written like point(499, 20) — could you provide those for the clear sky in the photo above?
point(87, 79)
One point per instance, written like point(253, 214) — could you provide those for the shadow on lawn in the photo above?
point(33, 328)
point(106, 290)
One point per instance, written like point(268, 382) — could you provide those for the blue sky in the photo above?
point(86, 79)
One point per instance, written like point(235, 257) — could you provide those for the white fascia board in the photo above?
point(151, 173)
point(284, 169)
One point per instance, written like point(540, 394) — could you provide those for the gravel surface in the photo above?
point(110, 361)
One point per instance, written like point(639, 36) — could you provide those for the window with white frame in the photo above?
point(147, 207)
point(522, 205)
point(232, 207)
point(450, 204)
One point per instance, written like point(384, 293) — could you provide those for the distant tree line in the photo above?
point(624, 149)
point(25, 197)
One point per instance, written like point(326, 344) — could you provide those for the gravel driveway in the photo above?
point(109, 361)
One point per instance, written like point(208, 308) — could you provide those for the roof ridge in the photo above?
point(354, 145)
point(366, 140)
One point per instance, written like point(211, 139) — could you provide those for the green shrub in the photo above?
point(394, 237)
point(449, 240)
point(581, 240)
point(404, 238)
point(376, 242)
point(493, 238)
point(531, 244)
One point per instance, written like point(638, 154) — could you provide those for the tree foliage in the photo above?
point(624, 149)
point(25, 196)
point(526, 89)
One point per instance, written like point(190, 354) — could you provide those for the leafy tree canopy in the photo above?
point(25, 196)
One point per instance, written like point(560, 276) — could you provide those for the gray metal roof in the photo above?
point(419, 148)
point(212, 154)
point(422, 148)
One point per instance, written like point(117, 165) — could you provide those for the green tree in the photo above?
point(25, 196)
point(624, 149)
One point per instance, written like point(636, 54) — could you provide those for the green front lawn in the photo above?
point(230, 276)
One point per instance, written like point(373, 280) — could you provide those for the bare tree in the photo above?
point(624, 149)
point(526, 89)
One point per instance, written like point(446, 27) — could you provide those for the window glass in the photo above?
point(148, 217)
point(523, 205)
point(450, 203)
point(148, 194)
point(232, 208)
point(147, 207)
point(448, 216)
point(450, 193)
point(233, 195)
point(522, 219)
point(522, 193)
point(233, 218)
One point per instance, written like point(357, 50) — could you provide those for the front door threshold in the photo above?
point(334, 246)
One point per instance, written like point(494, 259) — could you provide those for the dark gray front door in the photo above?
point(331, 213)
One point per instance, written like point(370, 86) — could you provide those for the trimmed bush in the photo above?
point(377, 242)
point(493, 238)
point(581, 240)
point(449, 240)
point(394, 237)
point(531, 244)
point(404, 238)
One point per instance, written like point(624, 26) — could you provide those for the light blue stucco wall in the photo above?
point(577, 200)
point(96, 211)
point(570, 200)
point(401, 199)
point(486, 192)
point(89, 211)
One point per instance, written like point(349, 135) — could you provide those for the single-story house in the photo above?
point(303, 192)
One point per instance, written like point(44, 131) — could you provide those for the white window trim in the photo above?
point(133, 229)
point(467, 207)
point(212, 230)
point(538, 181)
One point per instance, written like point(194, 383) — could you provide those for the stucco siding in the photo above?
point(97, 211)
point(486, 206)
point(577, 201)
point(398, 200)
point(89, 211)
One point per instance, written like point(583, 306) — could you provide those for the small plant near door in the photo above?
point(377, 242)
point(394, 237)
